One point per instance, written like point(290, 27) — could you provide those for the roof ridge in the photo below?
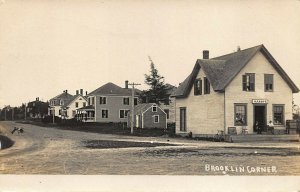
point(257, 46)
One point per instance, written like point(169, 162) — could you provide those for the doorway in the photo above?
point(259, 116)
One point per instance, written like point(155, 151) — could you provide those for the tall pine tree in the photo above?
point(158, 91)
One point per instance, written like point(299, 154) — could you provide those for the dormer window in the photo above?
point(61, 102)
point(154, 108)
point(249, 82)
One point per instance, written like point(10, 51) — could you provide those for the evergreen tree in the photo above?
point(158, 91)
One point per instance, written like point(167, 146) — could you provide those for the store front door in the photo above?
point(259, 117)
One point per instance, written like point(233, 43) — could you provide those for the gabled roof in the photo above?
point(71, 100)
point(63, 96)
point(112, 89)
point(140, 108)
point(220, 71)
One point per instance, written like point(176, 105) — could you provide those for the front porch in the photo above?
point(86, 114)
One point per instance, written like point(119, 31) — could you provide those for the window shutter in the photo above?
point(244, 83)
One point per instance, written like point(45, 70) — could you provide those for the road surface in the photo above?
point(43, 150)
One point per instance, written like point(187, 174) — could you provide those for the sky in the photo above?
point(50, 46)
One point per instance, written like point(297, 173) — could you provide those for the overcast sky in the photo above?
point(49, 46)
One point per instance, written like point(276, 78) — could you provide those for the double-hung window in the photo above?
point(123, 113)
point(126, 101)
point(156, 118)
point(269, 84)
point(278, 114)
point(104, 113)
point(198, 87)
point(249, 82)
point(102, 100)
point(240, 114)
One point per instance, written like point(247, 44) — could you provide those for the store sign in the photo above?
point(259, 101)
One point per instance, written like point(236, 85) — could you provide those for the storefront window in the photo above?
point(240, 111)
point(278, 117)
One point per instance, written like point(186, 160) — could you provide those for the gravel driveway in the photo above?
point(42, 150)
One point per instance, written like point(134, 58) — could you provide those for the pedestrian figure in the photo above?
point(257, 127)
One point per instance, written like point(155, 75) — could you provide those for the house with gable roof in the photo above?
point(77, 101)
point(57, 102)
point(108, 103)
point(148, 115)
point(245, 89)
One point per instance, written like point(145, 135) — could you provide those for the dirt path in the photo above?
point(41, 150)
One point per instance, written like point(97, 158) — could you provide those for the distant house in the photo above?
point(69, 108)
point(169, 107)
point(57, 102)
point(239, 90)
point(148, 115)
point(37, 109)
point(108, 103)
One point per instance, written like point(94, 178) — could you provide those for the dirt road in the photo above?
point(42, 150)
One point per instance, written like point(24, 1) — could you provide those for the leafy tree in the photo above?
point(158, 91)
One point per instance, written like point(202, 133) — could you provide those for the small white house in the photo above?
point(70, 107)
point(237, 90)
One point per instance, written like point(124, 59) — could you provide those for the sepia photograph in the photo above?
point(137, 95)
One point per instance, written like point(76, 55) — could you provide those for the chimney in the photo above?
point(36, 99)
point(77, 92)
point(126, 84)
point(81, 91)
point(66, 91)
point(238, 48)
point(205, 54)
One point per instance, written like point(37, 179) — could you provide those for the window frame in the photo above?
point(76, 104)
point(184, 127)
point(154, 118)
point(102, 100)
point(135, 100)
point(126, 99)
point(102, 113)
point(267, 83)
point(154, 106)
point(198, 90)
point(125, 113)
point(282, 116)
point(246, 85)
point(235, 112)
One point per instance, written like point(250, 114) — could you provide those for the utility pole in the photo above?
point(53, 114)
point(132, 104)
point(12, 114)
point(5, 113)
point(25, 111)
